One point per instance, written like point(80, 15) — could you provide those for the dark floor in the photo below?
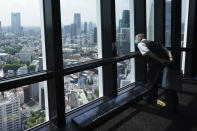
point(141, 117)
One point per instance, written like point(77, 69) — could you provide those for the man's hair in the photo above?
point(141, 35)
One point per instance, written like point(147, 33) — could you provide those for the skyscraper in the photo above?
point(10, 113)
point(77, 23)
point(16, 23)
point(123, 34)
point(95, 35)
point(168, 24)
point(125, 21)
point(85, 28)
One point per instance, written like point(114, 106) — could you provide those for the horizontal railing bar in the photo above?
point(26, 79)
point(9, 83)
point(97, 63)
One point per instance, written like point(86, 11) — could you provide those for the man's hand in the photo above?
point(164, 62)
point(171, 59)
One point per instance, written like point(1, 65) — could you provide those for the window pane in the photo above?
point(20, 37)
point(81, 39)
point(125, 38)
point(124, 27)
point(125, 74)
point(150, 19)
point(23, 107)
point(82, 88)
point(168, 24)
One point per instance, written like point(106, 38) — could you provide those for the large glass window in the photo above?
point(20, 37)
point(23, 107)
point(81, 42)
point(22, 51)
point(125, 41)
point(81, 39)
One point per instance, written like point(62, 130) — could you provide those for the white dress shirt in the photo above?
point(143, 48)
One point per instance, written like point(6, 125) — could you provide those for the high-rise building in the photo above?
point(125, 18)
point(77, 22)
point(10, 119)
point(168, 23)
point(67, 29)
point(40, 64)
point(125, 21)
point(73, 30)
point(16, 23)
point(35, 91)
point(95, 35)
point(85, 28)
point(27, 93)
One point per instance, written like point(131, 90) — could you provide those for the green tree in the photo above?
point(12, 61)
point(32, 68)
point(97, 92)
point(14, 67)
point(17, 48)
point(32, 113)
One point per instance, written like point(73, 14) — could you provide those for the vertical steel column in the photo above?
point(54, 60)
point(176, 30)
point(140, 27)
point(108, 29)
point(191, 63)
point(159, 20)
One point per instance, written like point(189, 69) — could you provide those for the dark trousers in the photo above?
point(154, 76)
point(153, 79)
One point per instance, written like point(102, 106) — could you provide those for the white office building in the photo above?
point(22, 70)
point(10, 116)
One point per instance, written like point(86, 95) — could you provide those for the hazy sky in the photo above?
point(30, 10)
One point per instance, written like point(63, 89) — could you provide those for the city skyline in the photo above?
point(68, 8)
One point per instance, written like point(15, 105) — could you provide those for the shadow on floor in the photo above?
point(141, 117)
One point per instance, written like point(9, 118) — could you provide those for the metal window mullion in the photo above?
point(140, 27)
point(176, 30)
point(54, 61)
point(191, 33)
point(108, 30)
point(159, 20)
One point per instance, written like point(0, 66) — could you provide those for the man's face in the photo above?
point(138, 38)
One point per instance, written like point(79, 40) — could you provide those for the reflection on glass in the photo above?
point(23, 108)
point(125, 75)
point(79, 30)
point(150, 19)
point(81, 88)
point(184, 24)
point(20, 38)
point(168, 24)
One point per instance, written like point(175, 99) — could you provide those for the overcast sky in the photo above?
point(30, 10)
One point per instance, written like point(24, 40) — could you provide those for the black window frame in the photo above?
point(55, 71)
